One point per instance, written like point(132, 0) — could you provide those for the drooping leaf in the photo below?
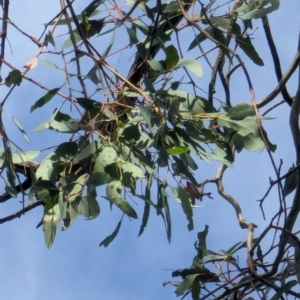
point(200, 38)
point(50, 221)
point(246, 45)
point(219, 36)
point(71, 213)
point(89, 207)
point(185, 200)
point(21, 129)
point(68, 43)
point(290, 182)
point(113, 195)
point(172, 57)
point(186, 284)
point(285, 288)
point(49, 39)
point(202, 250)
point(10, 183)
point(112, 236)
point(196, 289)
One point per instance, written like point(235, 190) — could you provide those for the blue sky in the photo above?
point(133, 267)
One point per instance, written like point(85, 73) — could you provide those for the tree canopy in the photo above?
point(133, 123)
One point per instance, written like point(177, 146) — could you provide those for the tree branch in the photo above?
point(21, 212)
point(276, 60)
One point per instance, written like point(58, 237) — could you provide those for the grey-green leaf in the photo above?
point(112, 193)
point(112, 236)
point(45, 99)
point(191, 64)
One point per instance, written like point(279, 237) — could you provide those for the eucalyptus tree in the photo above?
point(141, 128)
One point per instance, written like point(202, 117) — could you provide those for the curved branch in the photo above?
point(295, 209)
point(243, 223)
point(21, 212)
point(281, 84)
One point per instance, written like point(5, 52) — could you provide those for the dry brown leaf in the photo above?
point(31, 64)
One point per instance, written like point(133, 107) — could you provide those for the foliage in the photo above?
point(147, 132)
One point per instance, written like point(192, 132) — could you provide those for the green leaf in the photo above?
point(291, 181)
point(89, 207)
point(186, 284)
point(147, 205)
point(21, 129)
point(68, 43)
point(24, 157)
point(155, 65)
point(93, 75)
point(107, 156)
point(43, 185)
point(10, 186)
point(223, 22)
point(49, 168)
point(93, 148)
point(200, 38)
point(131, 132)
point(185, 199)
point(285, 288)
point(202, 250)
point(191, 64)
point(67, 149)
point(90, 28)
point(246, 45)
point(148, 114)
point(177, 150)
point(219, 36)
point(99, 176)
point(134, 170)
point(196, 289)
point(243, 127)
point(172, 57)
point(14, 77)
point(240, 111)
point(145, 218)
point(113, 195)
point(112, 236)
point(71, 213)
point(170, 7)
point(62, 123)
point(255, 9)
point(49, 64)
point(49, 39)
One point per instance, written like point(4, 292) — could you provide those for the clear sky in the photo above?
point(132, 267)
